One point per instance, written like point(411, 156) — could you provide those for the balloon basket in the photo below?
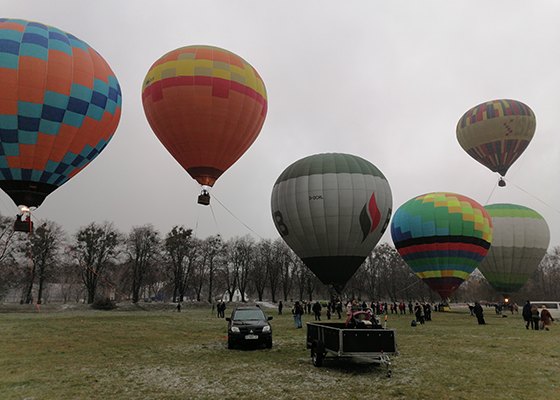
point(501, 182)
point(25, 225)
point(204, 198)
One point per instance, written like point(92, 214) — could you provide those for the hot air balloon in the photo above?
point(331, 209)
point(521, 238)
point(495, 133)
point(442, 237)
point(207, 106)
point(60, 104)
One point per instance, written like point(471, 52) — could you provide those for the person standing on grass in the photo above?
point(339, 309)
point(317, 310)
point(526, 313)
point(427, 312)
point(221, 309)
point(297, 312)
point(479, 312)
point(546, 318)
point(280, 307)
point(419, 313)
point(535, 317)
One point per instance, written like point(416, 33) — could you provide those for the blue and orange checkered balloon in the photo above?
point(60, 104)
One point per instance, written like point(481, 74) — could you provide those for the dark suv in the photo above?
point(249, 325)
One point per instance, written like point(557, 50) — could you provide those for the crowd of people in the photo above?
point(336, 309)
point(422, 311)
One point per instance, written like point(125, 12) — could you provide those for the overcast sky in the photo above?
point(384, 80)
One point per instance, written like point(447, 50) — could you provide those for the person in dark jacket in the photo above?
point(297, 312)
point(535, 317)
point(479, 312)
point(526, 313)
point(339, 309)
point(419, 313)
point(317, 310)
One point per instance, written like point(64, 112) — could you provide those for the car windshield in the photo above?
point(246, 315)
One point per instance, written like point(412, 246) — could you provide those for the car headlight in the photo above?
point(266, 329)
point(235, 329)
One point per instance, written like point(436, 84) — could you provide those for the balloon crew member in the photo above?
point(479, 313)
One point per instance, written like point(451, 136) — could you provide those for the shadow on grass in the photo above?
point(353, 366)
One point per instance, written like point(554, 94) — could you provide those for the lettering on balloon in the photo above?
point(316, 197)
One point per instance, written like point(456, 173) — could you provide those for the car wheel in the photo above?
point(229, 344)
point(269, 344)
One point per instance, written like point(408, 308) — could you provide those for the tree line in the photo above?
point(99, 262)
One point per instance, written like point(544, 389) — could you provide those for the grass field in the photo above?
point(142, 353)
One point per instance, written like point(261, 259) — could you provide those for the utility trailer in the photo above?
point(335, 338)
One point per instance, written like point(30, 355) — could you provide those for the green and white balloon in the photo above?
point(521, 239)
point(332, 209)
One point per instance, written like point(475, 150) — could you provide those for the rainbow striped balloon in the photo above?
point(442, 237)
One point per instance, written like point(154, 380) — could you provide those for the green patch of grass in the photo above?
point(141, 353)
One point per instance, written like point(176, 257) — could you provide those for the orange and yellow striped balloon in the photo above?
point(207, 106)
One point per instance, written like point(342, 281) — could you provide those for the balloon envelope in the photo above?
point(495, 133)
point(521, 239)
point(442, 237)
point(331, 209)
point(207, 106)
point(60, 104)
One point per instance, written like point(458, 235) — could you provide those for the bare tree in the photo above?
point(211, 249)
point(288, 271)
point(95, 247)
point(300, 278)
point(11, 272)
point(262, 259)
point(279, 261)
point(544, 284)
point(311, 283)
point(244, 263)
point(199, 275)
point(142, 246)
point(8, 239)
point(69, 277)
point(45, 243)
point(228, 272)
point(181, 251)
point(475, 288)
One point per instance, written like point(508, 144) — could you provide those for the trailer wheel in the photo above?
point(318, 354)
